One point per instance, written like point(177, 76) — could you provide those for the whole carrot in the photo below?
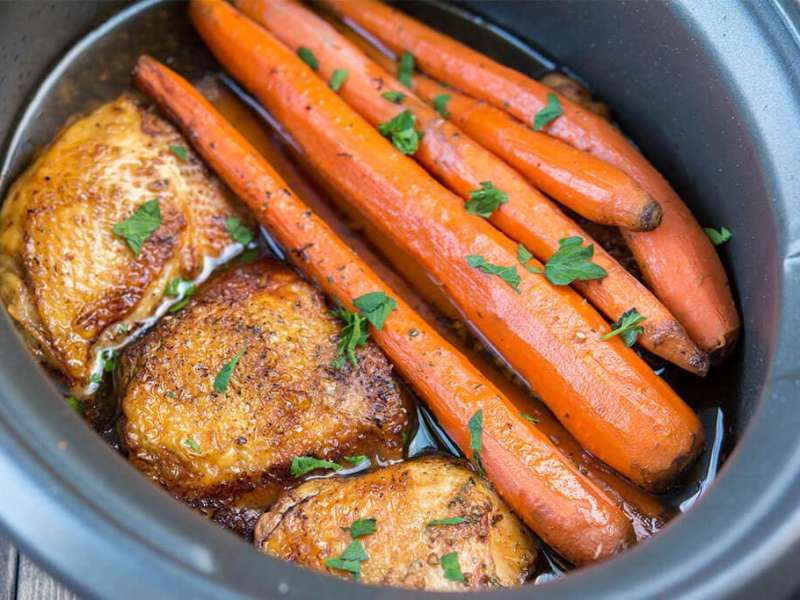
point(600, 390)
point(463, 165)
point(679, 263)
point(550, 495)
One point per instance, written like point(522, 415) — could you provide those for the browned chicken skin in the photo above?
point(309, 524)
point(284, 398)
point(67, 279)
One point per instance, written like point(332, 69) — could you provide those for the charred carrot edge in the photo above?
point(575, 517)
point(601, 391)
point(528, 217)
point(677, 260)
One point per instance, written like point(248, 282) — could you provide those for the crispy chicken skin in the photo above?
point(66, 278)
point(307, 525)
point(283, 400)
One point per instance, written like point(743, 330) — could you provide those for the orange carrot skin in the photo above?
point(548, 493)
point(462, 165)
point(601, 391)
point(679, 263)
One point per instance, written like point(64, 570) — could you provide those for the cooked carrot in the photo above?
point(601, 391)
point(550, 495)
point(528, 217)
point(412, 285)
point(677, 260)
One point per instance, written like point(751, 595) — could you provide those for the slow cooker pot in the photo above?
point(710, 91)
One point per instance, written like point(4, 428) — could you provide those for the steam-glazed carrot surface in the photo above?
point(599, 389)
point(550, 494)
point(450, 155)
point(677, 259)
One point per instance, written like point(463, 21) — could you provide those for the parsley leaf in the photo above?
point(446, 521)
point(224, 376)
point(95, 378)
point(523, 256)
point(550, 112)
point(307, 56)
point(350, 560)
point(530, 418)
point(108, 357)
point(356, 460)
point(376, 307)
point(475, 425)
point(394, 97)
point(353, 334)
point(571, 262)
point(74, 404)
point(405, 69)
point(718, 237)
point(250, 255)
point(238, 231)
point(362, 527)
point(627, 327)
point(192, 444)
point(486, 200)
point(401, 131)
point(451, 568)
point(180, 288)
point(180, 152)
point(140, 225)
point(507, 274)
point(440, 104)
point(305, 464)
point(338, 77)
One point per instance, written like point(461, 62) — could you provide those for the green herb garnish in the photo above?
point(140, 225)
point(95, 378)
point(571, 262)
point(401, 131)
point(550, 112)
point(353, 334)
point(192, 444)
point(475, 425)
point(394, 97)
point(238, 231)
point(446, 521)
point(338, 77)
point(350, 560)
point(507, 274)
point(224, 376)
point(440, 104)
point(74, 404)
point(530, 418)
point(304, 464)
point(376, 307)
point(523, 256)
point(180, 288)
point(405, 69)
point(627, 327)
point(108, 358)
point(180, 152)
point(718, 237)
point(451, 568)
point(250, 255)
point(356, 460)
point(362, 527)
point(484, 201)
point(307, 56)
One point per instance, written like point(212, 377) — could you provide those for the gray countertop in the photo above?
point(22, 579)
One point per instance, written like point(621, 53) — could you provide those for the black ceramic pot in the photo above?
point(711, 92)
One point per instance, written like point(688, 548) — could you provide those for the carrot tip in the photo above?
point(651, 216)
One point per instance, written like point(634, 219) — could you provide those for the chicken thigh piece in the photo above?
point(219, 398)
point(437, 526)
point(91, 234)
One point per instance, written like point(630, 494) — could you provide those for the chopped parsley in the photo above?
point(627, 327)
point(451, 568)
point(484, 201)
point(400, 130)
point(95, 378)
point(74, 404)
point(192, 444)
point(394, 97)
point(307, 56)
point(475, 425)
point(180, 152)
point(356, 460)
point(362, 527)
point(446, 521)
point(405, 69)
point(353, 334)
point(250, 255)
point(507, 274)
point(182, 289)
point(338, 77)
point(224, 376)
point(376, 307)
point(550, 112)
point(440, 104)
point(523, 256)
point(238, 231)
point(350, 560)
point(530, 418)
point(571, 262)
point(140, 225)
point(305, 464)
point(718, 237)
point(108, 357)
